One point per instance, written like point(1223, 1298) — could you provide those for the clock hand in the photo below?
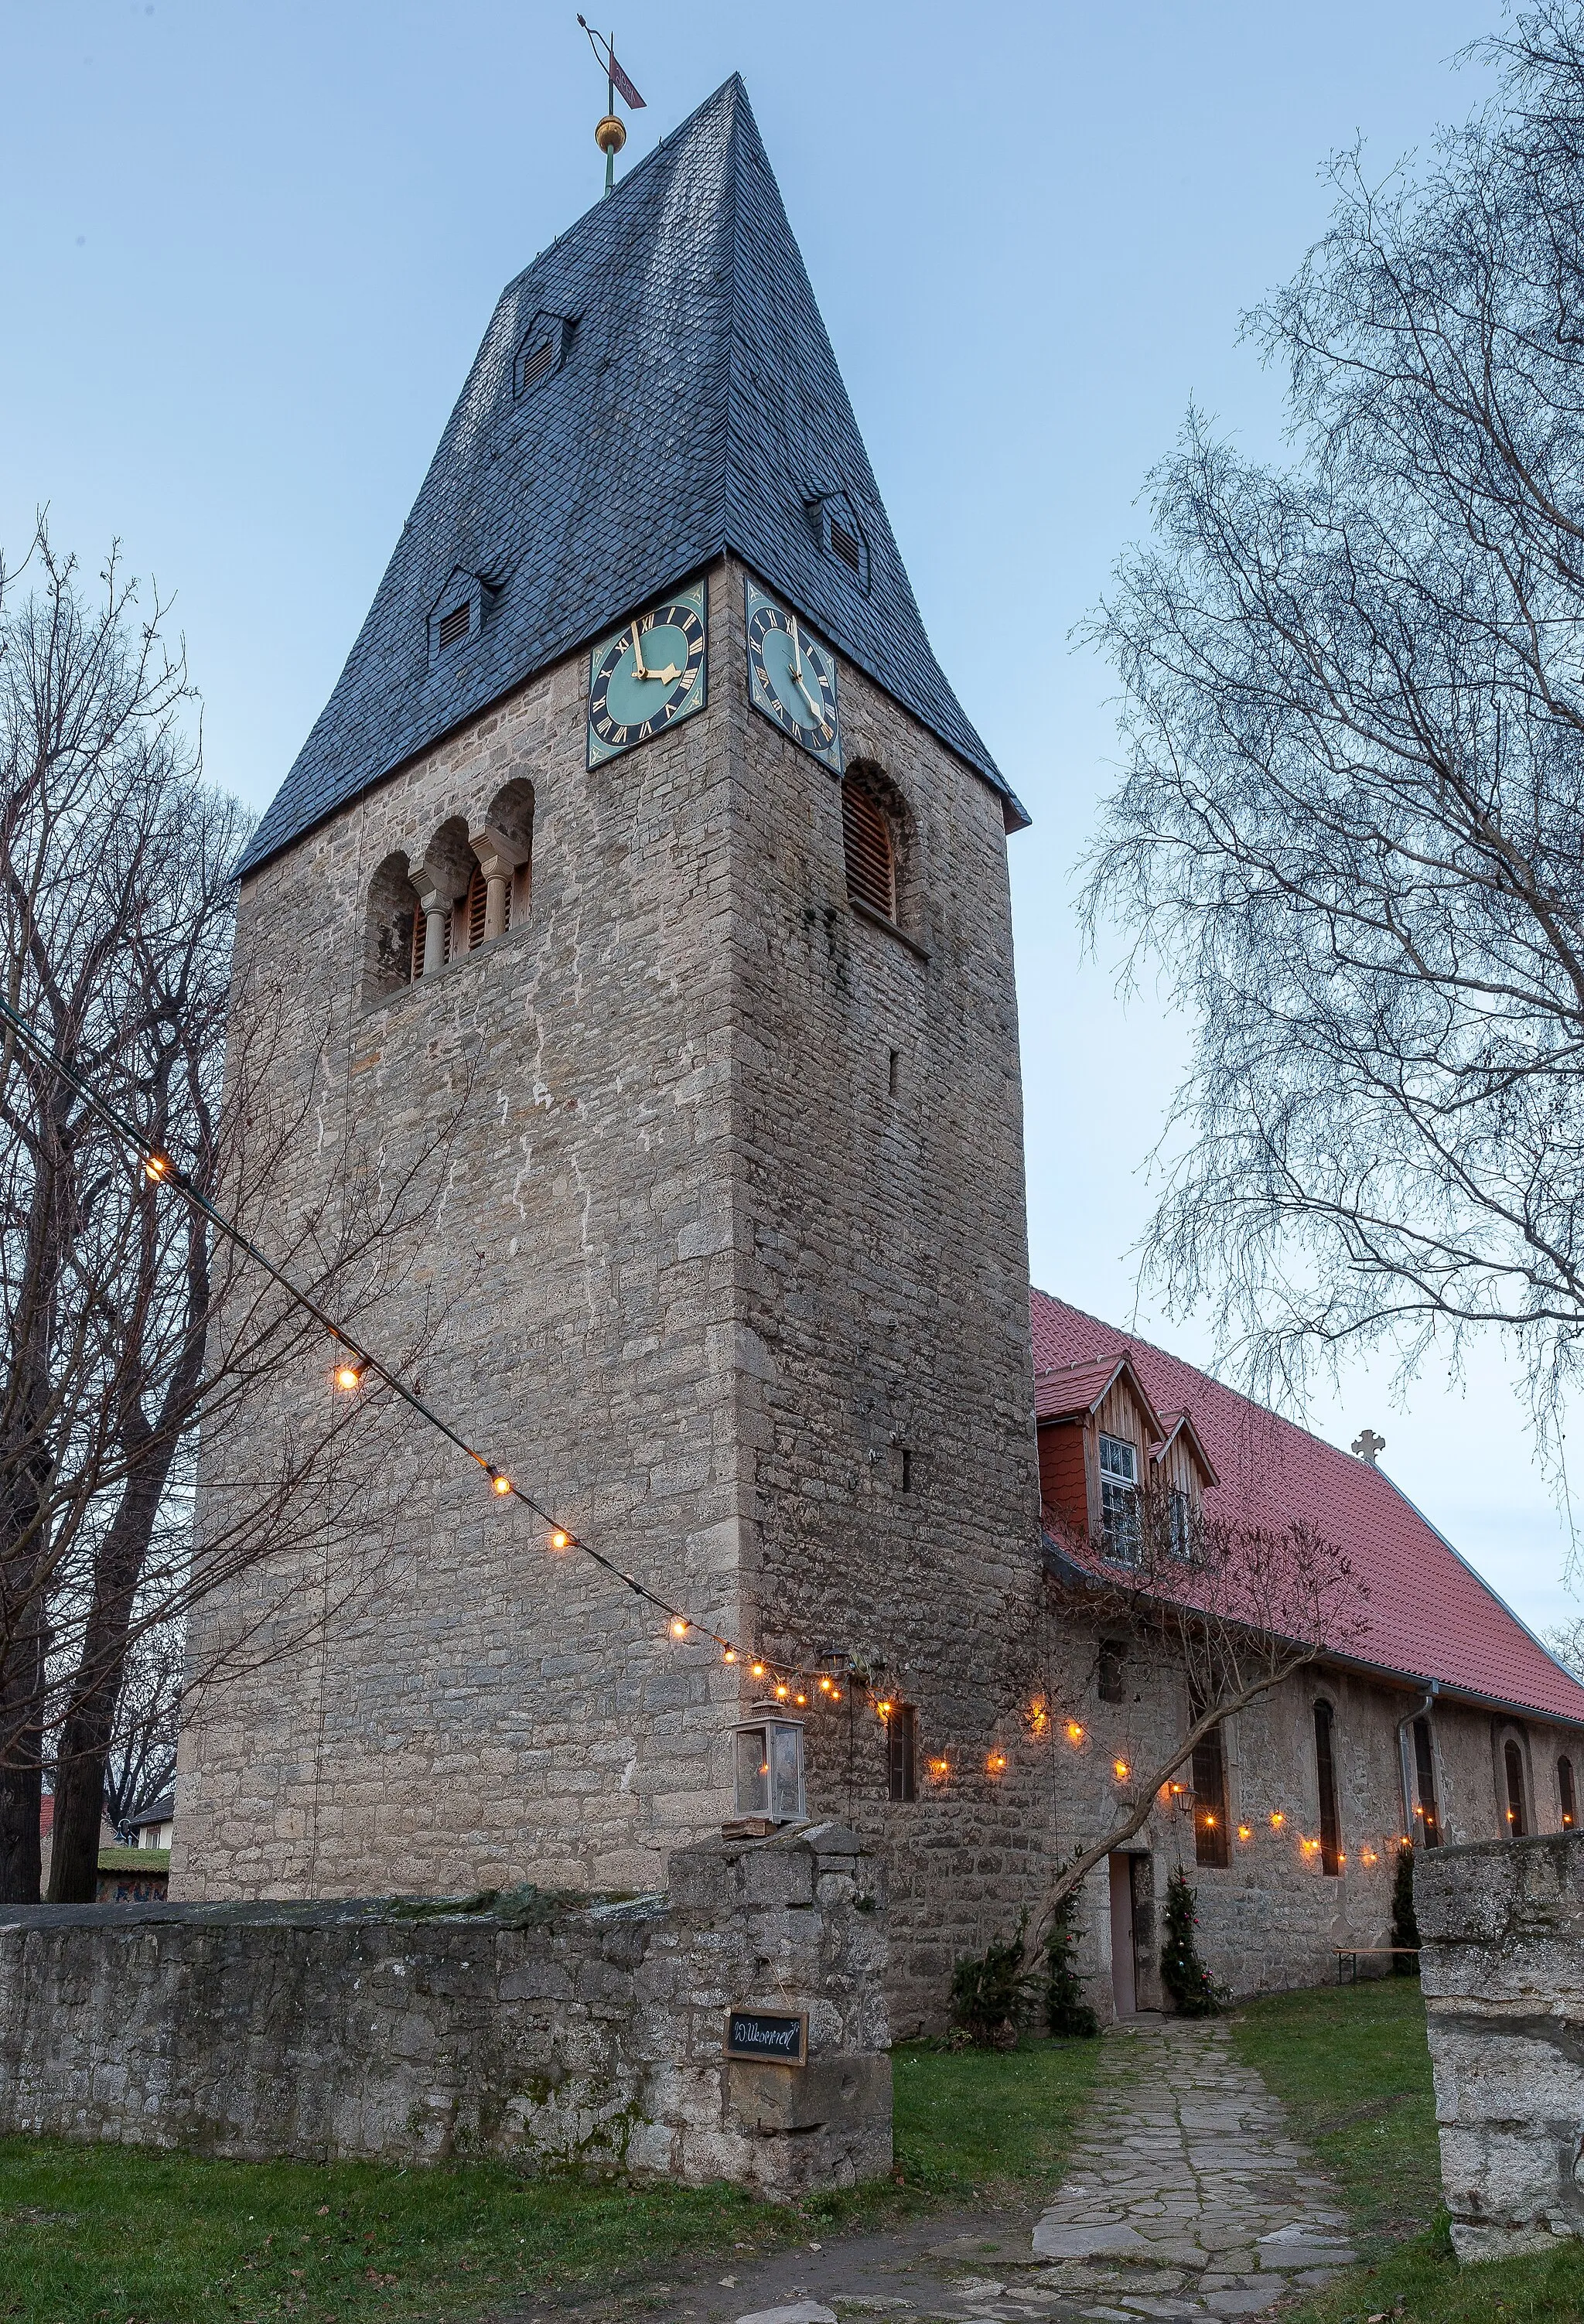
point(819, 715)
point(639, 670)
point(667, 677)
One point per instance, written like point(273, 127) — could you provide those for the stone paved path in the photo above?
point(1185, 2194)
point(1186, 2197)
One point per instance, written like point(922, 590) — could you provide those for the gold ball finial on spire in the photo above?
point(610, 135)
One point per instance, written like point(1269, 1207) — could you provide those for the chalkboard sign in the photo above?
point(770, 2038)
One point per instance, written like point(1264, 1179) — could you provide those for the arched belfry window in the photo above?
point(388, 930)
point(870, 848)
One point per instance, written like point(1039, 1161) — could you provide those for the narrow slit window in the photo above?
point(893, 1071)
point(1517, 1821)
point(1212, 1844)
point(1325, 1768)
point(1424, 1777)
point(866, 838)
point(1566, 1794)
point(907, 1468)
point(902, 1746)
point(455, 625)
point(1111, 1677)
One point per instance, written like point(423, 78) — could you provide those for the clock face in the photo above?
point(648, 675)
point(792, 678)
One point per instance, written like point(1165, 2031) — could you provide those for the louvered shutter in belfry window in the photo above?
point(478, 897)
point(866, 832)
point(420, 928)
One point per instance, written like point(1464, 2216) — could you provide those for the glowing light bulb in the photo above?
point(560, 1538)
point(729, 1654)
point(156, 1168)
point(348, 1377)
point(1209, 1821)
point(1074, 1732)
point(826, 1686)
point(997, 1762)
point(885, 1709)
point(1245, 1831)
point(500, 1481)
point(940, 1769)
point(679, 1627)
point(1121, 1770)
point(782, 1691)
point(1277, 1819)
point(757, 1669)
point(800, 1700)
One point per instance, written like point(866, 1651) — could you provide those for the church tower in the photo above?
point(643, 849)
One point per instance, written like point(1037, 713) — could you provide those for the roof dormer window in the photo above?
point(841, 536)
point(1119, 1499)
point(456, 614)
point(540, 350)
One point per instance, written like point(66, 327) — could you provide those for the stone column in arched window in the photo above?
point(498, 856)
point(441, 880)
point(503, 842)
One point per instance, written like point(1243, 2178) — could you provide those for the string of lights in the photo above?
point(355, 1364)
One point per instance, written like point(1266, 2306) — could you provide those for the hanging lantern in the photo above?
point(768, 1748)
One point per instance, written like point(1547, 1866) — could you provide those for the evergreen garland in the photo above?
point(1065, 2009)
point(1405, 1920)
point(1193, 1991)
point(991, 1993)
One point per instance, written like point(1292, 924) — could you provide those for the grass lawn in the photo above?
point(101, 2234)
point(1351, 2066)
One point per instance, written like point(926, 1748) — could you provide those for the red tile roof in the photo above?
point(1073, 1389)
point(1428, 1615)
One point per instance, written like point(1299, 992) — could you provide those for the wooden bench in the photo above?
point(1348, 1958)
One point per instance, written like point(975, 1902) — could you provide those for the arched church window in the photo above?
point(1325, 1768)
point(866, 839)
point(1513, 1766)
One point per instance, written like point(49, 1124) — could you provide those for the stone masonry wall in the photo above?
point(1272, 1918)
point(558, 2031)
point(1503, 1969)
point(706, 1264)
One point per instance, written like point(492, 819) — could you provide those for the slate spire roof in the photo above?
point(696, 406)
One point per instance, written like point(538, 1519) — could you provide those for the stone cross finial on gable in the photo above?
point(1368, 1445)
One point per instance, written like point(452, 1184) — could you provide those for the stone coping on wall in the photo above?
point(559, 2029)
point(1501, 1924)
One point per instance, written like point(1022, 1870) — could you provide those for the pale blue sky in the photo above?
point(246, 256)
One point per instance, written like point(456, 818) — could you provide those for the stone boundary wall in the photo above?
point(1502, 1926)
point(565, 2032)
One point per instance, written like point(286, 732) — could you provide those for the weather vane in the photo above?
point(611, 133)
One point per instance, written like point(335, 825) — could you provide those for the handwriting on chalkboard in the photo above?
point(770, 2037)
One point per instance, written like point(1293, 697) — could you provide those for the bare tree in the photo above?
point(1212, 1614)
point(1351, 832)
point(140, 1765)
point(129, 1320)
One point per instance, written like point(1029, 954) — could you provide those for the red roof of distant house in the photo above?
point(1428, 1614)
